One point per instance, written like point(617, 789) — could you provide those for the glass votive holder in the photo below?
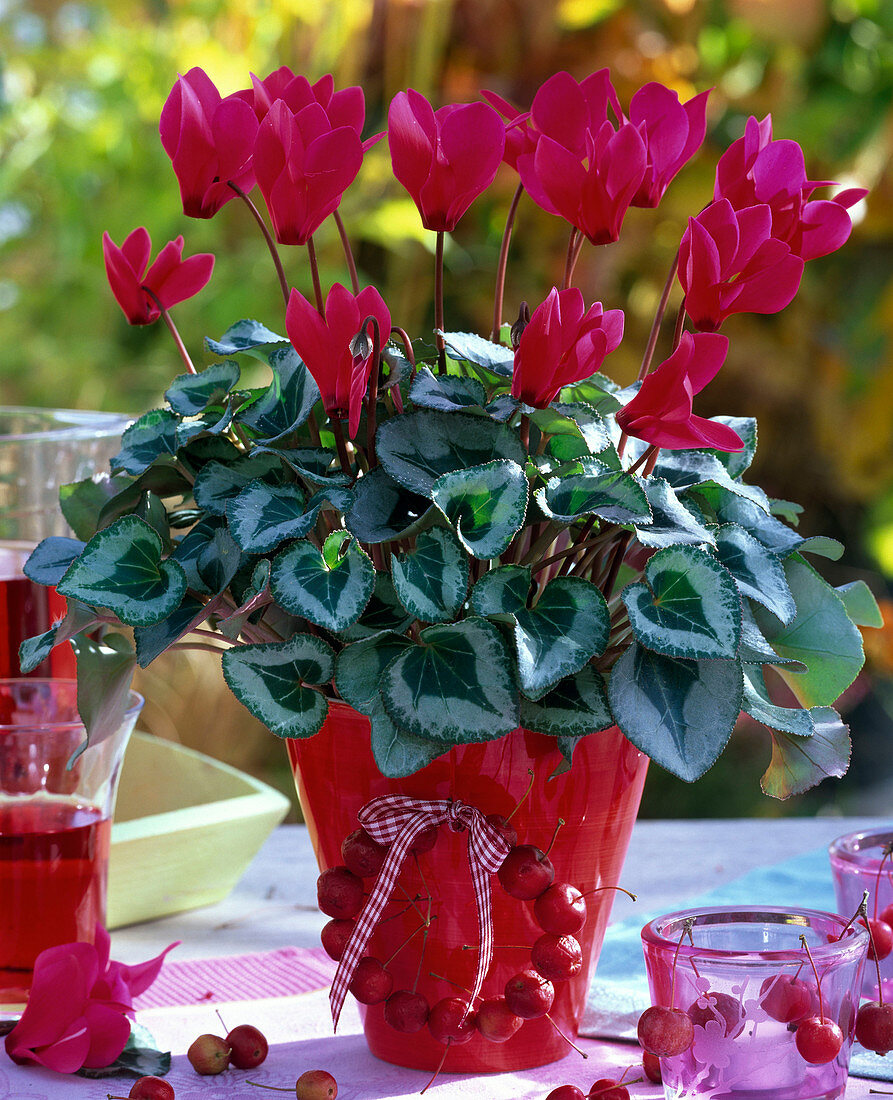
point(746, 981)
point(859, 863)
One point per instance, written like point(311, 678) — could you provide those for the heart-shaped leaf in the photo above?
point(82, 502)
point(245, 336)
point(757, 571)
point(672, 524)
point(121, 568)
point(684, 469)
point(475, 349)
point(728, 507)
point(485, 504)
point(151, 641)
point(383, 509)
point(288, 400)
point(313, 464)
point(502, 591)
point(680, 713)
point(268, 680)
point(417, 448)
point(576, 706)
point(448, 392)
point(798, 763)
point(262, 516)
point(207, 424)
point(397, 752)
point(33, 651)
point(754, 649)
point(688, 606)
point(736, 462)
point(568, 625)
point(383, 612)
point(329, 588)
point(190, 394)
point(218, 482)
point(821, 636)
point(219, 560)
point(154, 434)
point(860, 604)
point(591, 488)
point(189, 549)
point(756, 702)
point(432, 580)
point(455, 687)
point(51, 558)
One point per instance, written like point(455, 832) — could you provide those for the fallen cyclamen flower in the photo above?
point(443, 158)
point(673, 132)
point(210, 141)
point(303, 167)
point(325, 346)
point(757, 169)
point(661, 412)
point(562, 344)
point(77, 1010)
point(730, 263)
point(143, 294)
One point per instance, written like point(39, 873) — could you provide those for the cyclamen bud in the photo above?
point(519, 325)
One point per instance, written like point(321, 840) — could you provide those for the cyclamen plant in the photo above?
point(489, 536)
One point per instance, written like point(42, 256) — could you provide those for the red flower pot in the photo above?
point(598, 798)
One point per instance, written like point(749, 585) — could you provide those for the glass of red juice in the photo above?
point(40, 451)
point(55, 823)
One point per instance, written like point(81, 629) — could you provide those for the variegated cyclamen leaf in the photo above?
point(121, 569)
point(568, 625)
point(684, 469)
point(219, 560)
point(383, 509)
point(218, 482)
point(397, 752)
point(502, 591)
point(191, 394)
point(253, 596)
point(313, 464)
point(754, 649)
point(359, 668)
point(153, 435)
point(576, 706)
point(329, 588)
point(448, 392)
point(262, 516)
point(78, 617)
point(268, 680)
point(152, 641)
point(728, 507)
point(82, 501)
point(485, 504)
point(456, 686)
point(821, 635)
point(432, 580)
point(798, 763)
point(756, 703)
point(592, 488)
point(383, 612)
point(104, 673)
point(736, 462)
point(212, 423)
point(245, 336)
point(50, 559)
point(417, 448)
point(673, 524)
point(288, 400)
point(680, 713)
point(190, 548)
point(757, 571)
point(688, 606)
point(475, 349)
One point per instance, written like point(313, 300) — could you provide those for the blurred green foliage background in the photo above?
point(81, 88)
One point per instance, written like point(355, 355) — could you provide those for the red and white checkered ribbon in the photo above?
point(398, 820)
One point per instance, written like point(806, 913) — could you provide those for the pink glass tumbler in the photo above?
point(860, 862)
point(745, 980)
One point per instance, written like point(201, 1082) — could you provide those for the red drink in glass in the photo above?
point(27, 609)
point(53, 863)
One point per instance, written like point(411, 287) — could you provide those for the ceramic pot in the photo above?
point(598, 798)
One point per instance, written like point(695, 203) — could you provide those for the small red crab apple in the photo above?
point(315, 1084)
point(406, 1011)
point(818, 1038)
point(874, 1026)
point(719, 1008)
point(566, 1092)
point(495, 1020)
point(786, 998)
point(362, 854)
point(249, 1046)
point(339, 893)
point(209, 1055)
point(148, 1088)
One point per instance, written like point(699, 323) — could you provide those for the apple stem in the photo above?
point(569, 1042)
point(622, 889)
point(530, 772)
point(818, 980)
point(275, 1088)
point(561, 822)
point(888, 849)
point(434, 1076)
point(686, 929)
point(412, 935)
point(220, 1018)
point(863, 909)
point(449, 981)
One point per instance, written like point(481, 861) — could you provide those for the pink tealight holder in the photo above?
point(769, 1019)
point(858, 863)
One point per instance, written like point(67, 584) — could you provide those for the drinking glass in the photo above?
point(859, 863)
point(40, 451)
point(55, 823)
point(747, 983)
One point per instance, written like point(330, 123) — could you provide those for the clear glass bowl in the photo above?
point(856, 867)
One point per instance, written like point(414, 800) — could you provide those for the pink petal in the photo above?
point(108, 1031)
point(717, 436)
point(706, 355)
point(825, 226)
point(771, 289)
point(125, 285)
point(558, 175)
point(411, 141)
point(560, 110)
point(65, 1055)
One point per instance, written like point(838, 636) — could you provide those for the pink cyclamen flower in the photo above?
point(210, 141)
point(76, 1015)
point(563, 343)
point(303, 167)
point(730, 263)
point(170, 279)
point(757, 169)
point(661, 412)
point(325, 346)
point(444, 158)
point(673, 132)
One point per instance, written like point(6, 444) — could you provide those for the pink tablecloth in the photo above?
point(284, 993)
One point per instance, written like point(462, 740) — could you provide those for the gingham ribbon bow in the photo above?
point(398, 820)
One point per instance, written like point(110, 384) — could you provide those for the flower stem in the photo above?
point(343, 457)
point(658, 319)
point(572, 254)
point(168, 320)
point(271, 244)
point(502, 264)
point(438, 302)
point(314, 271)
point(348, 254)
